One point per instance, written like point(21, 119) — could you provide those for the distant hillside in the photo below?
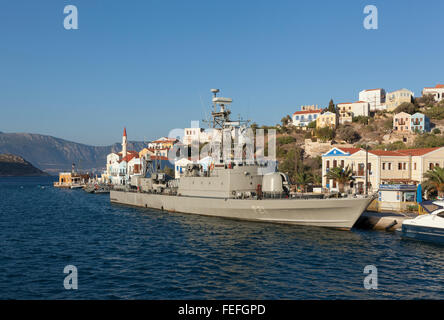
point(11, 165)
point(53, 154)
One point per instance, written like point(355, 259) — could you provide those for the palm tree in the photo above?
point(303, 179)
point(341, 176)
point(317, 179)
point(435, 180)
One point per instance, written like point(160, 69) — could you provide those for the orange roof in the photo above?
point(158, 158)
point(385, 153)
point(373, 89)
point(351, 102)
point(164, 141)
point(438, 86)
point(307, 111)
point(124, 132)
point(129, 157)
point(417, 152)
point(404, 152)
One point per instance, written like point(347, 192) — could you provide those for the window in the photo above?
point(335, 163)
point(383, 166)
point(431, 166)
point(414, 166)
point(342, 163)
point(404, 166)
point(328, 164)
point(437, 164)
point(399, 166)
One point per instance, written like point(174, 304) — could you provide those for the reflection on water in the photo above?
point(129, 253)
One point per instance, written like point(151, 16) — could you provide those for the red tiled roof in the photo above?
point(417, 152)
point(373, 89)
point(307, 111)
point(404, 152)
point(395, 153)
point(385, 153)
point(158, 158)
point(352, 102)
point(129, 157)
point(438, 86)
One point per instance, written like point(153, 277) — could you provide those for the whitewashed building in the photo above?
point(375, 97)
point(437, 92)
point(304, 117)
point(348, 110)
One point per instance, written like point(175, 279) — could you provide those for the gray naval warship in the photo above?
point(238, 190)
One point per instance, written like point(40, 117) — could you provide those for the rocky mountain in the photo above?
point(11, 165)
point(54, 154)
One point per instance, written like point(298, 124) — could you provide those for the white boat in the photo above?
point(428, 227)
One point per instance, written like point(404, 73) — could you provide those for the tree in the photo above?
point(286, 120)
point(429, 140)
point(425, 100)
point(302, 179)
point(325, 133)
point(331, 106)
point(317, 179)
point(435, 181)
point(348, 134)
point(168, 171)
point(341, 175)
point(312, 125)
point(406, 107)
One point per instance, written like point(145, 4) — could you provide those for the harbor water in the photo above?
point(134, 253)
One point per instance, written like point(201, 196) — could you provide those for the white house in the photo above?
point(437, 92)
point(303, 118)
point(375, 97)
point(348, 110)
point(180, 166)
point(196, 134)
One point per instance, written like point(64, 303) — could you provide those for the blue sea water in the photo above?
point(129, 253)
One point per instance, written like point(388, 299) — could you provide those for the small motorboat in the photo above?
point(427, 227)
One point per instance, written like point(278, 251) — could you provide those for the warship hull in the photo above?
point(333, 213)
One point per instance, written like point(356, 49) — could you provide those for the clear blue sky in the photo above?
point(149, 65)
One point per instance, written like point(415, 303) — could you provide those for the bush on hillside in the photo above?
point(285, 140)
point(361, 119)
point(429, 140)
point(406, 107)
point(436, 112)
point(348, 134)
point(325, 134)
